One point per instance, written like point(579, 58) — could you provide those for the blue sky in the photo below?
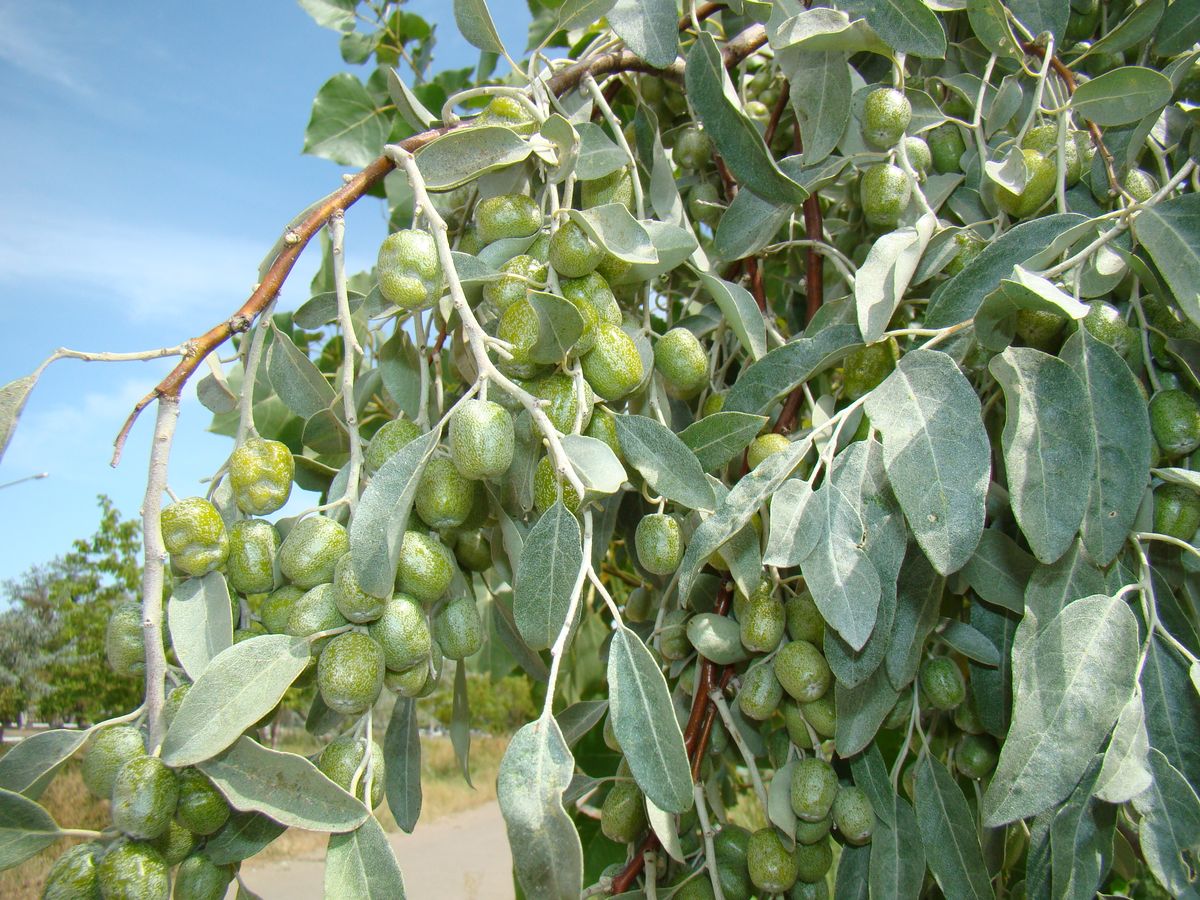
point(151, 155)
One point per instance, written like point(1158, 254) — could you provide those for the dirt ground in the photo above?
point(464, 856)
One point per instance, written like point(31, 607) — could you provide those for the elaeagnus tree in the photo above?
point(803, 396)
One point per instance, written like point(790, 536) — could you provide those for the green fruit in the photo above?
point(623, 814)
point(942, 683)
point(509, 113)
point(966, 716)
point(409, 269)
point(616, 187)
point(920, 157)
point(133, 871)
point(1175, 421)
point(393, 436)
point(804, 621)
point(1044, 139)
point(403, 633)
point(481, 439)
point(794, 723)
point(250, 568)
point(821, 714)
point(735, 883)
point(260, 473)
point(659, 543)
point(342, 757)
point(310, 552)
point(350, 673)
point(885, 191)
point(765, 445)
point(507, 216)
point(352, 601)
point(519, 328)
point(698, 887)
point(886, 114)
point(1040, 328)
point(74, 874)
point(1140, 185)
point(682, 362)
point(763, 623)
point(572, 253)
point(124, 643)
point(144, 796)
point(673, 639)
point(1043, 175)
point(1105, 322)
point(639, 606)
point(562, 400)
point(426, 567)
point(813, 861)
point(813, 832)
point(772, 866)
point(866, 368)
point(613, 367)
point(802, 670)
point(316, 611)
point(603, 427)
point(199, 878)
point(976, 755)
point(596, 303)
point(946, 147)
point(813, 789)
point(277, 608)
point(202, 809)
point(969, 246)
point(444, 496)
point(853, 815)
point(194, 534)
point(704, 204)
point(473, 551)
point(692, 149)
point(713, 403)
point(409, 683)
point(901, 711)
point(610, 735)
point(175, 843)
point(520, 275)
point(458, 629)
point(731, 844)
point(760, 694)
point(547, 488)
point(173, 701)
point(1176, 511)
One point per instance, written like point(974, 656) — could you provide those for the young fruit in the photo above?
point(132, 871)
point(409, 269)
point(481, 439)
point(698, 887)
point(802, 670)
point(572, 252)
point(866, 368)
point(813, 860)
point(1040, 328)
point(760, 694)
point(199, 878)
point(352, 601)
point(276, 609)
point(885, 191)
point(507, 216)
point(821, 714)
point(310, 552)
point(1176, 511)
point(886, 114)
point(393, 436)
point(682, 362)
point(1044, 139)
point(547, 488)
point(920, 157)
point(74, 874)
point(853, 815)
point(969, 246)
point(613, 367)
point(763, 623)
point(813, 789)
point(1140, 185)
point(1105, 323)
point(518, 327)
point(946, 147)
point(942, 683)
point(458, 629)
point(704, 204)
point(603, 427)
point(350, 673)
point(144, 795)
point(804, 621)
point(623, 814)
point(473, 551)
point(1043, 175)
point(107, 752)
point(260, 474)
point(402, 632)
point(409, 683)
point(976, 755)
point(426, 567)
point(1175, 421)
point(562, 400)
point(659, 543)
point(124, 644)
point(250, 568)
point(202, 809)
point(765, 445)
point(315, 611)
point(596, 303)
point(520, 275)
point(673, 639)
point(509, 113)
point(692, 149)
point(773, 868)
point(341, 759)
point(444, 496)
point(194, 534)
point(175, 843)
point(615, 187)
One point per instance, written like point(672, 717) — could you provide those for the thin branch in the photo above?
point(350, 348)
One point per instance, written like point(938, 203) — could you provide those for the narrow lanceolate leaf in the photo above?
point(244, 835)
point(853, 874)
point(12, 400)
point(475, 24)
point(360, 865)
point(999, 571)
point(668, 465)
point(460, 722)
point(936, 452)
point(764, 382)
point(1070, 686)
point(918, 599)
point(1125, 772)
point(1121, 428)
point(402, 755)
point(718, 438)
point(1172, 710)
point(1049, 447)
point(377, 530)
point(735, 136)
point(645, 724)
point(284, 786)
point(535, 771)
point(971, 643)
point(787, 545)
point(460, 156)
point(299, 383)
point(882, 279)
point(740, 311)
point(239, 687)
point(546, 574)
point(663, 825)
point(200, 619)
point(579, 718)
point(861, 710)
point(897, 855)
point(574, 13)
point(871, 774)
point(948, 832)
point(1123, 95)
point(1170, 233)
point(650, 28)
point(820, 96)
point(1170, 829)
point(28, 767)
point(1081, 840)
point(25, 829)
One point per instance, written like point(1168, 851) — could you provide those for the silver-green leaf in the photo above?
point(25, 829)
point(30, 765)
point(1123, 95)
point(402, 753)
point(462, 155)
point(1170, 828)
point(546, 574)
point(360, 865)
point(200, 619)
point(668, 465)
point(719, 437)
point(947, 828)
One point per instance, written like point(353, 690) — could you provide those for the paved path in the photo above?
point(460, 857)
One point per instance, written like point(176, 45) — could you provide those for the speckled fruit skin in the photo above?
point(804, 620)
point(199, 878)
point(659, 543)
point(886, 113)
point(613, 367)
point(250, 568)
point(546, 488)
point(1043, 173)
point(623, 813)
point(866, 368)
point(520, 275)
point(144, 795)
point(175, 843)
point(507, 216)
point(1140, 184)
point(1176, 511)
point(682, 362)
point(123, 642)
point(408, 683)
point(195, 536)
point(772, 866)
point(482, 439)
point(885, 191)
point(261, 473)
point(341, 758)
point(596, 303)
point(572, 253)
point(762, 625)
point(1044, 139)
point(402, 633)
point(946, 147)
point(615, 187)
point(276, 609)
point(393, 436)
point(133, 871)
point(350, 673)
point(919, 154)
point(761, 693)
point(713, 403)
point(310, 552)
point(1175, 421)
point(473, 551)
point(821, 714)
point(458, 629)
point(673, 639)
point(853, 815)
point(813, 861)
point(352, 601)
point(942, 683)
point(803, 672)
point(519, 328)
point(510, 113)
point(813, 789)
point(409, 271)
point(692, 149)
point(73, 875)
point(969, 246)
point(765, 445)
point(426, 567)
point(316, 611)
point(603, 427)
point(562, 399)
point(202, 809)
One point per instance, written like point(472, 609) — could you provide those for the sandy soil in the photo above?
point(461, 857)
